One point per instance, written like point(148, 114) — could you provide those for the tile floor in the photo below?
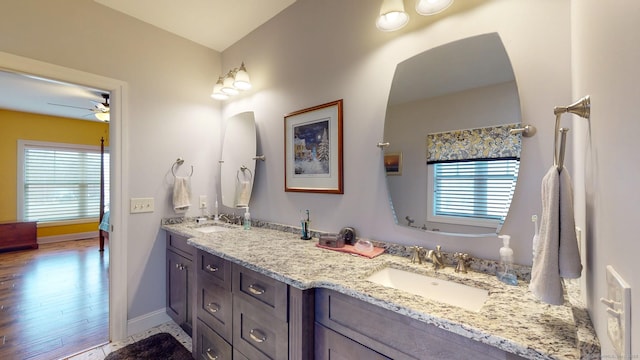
point(101, 352)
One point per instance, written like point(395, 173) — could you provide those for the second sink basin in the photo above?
point(448, 292)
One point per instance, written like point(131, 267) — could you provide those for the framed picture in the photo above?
point(313, 149)
point(393, 163)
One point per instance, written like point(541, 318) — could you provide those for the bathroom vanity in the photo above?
point(266, 294)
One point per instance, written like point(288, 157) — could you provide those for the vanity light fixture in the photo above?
point(235, 81)
point(393, 17)
point(217, 90)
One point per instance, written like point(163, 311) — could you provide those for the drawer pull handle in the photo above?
point(180, 266)
point(213, 308)
point(257, 336)
point(211, 357)
point(211, 268)
point(256, 289)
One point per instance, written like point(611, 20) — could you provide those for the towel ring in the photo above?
point(179, 162)
point(243, 169)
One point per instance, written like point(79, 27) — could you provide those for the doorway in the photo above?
point(117, 131)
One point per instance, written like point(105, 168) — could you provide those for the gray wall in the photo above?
point(318, 51)
point(606, 54)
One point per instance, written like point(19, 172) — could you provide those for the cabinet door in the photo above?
point(179, 290)
point(330, 345)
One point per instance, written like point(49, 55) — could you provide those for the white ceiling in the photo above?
point(216, 24)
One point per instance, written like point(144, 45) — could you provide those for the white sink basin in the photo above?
point(211, 229)
point(449, 292)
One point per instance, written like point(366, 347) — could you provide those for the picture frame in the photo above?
point(313, 149)
point(393, 163)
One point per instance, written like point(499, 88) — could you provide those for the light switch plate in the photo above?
point(141, 205)
point(618, 308)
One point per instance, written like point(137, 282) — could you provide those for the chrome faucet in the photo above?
point(463, 262)
point(436, 258)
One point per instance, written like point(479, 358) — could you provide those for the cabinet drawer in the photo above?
point(178, 243)
point(215, 268)
point(399, 336)
point(264, 293)
point(257, 334)
point(210, 345)
point(331, 345)
point(214, 307)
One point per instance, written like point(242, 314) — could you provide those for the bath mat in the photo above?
point(158, 346)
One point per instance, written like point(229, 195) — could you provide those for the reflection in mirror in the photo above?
point(237, 167)
point(448, 119)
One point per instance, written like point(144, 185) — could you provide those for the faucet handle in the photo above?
point(417, 254)
point(463, 262)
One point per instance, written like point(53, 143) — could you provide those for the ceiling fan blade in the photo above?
point(71, 106)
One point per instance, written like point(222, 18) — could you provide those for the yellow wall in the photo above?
point(16, 126)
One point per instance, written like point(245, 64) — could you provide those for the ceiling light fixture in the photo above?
point(103, 116)
point(393, 17)
point(432, 7)
point(235, 81)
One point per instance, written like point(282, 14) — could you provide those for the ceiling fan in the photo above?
point(100, 109)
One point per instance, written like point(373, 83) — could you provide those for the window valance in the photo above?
point(486, 143)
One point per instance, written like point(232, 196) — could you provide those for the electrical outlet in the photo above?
point(618, 310)
point(203, 201)
point(141, 205)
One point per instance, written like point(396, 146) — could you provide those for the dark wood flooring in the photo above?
point(54, 301)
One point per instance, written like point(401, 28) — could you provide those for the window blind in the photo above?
point(62, 183)
point(474, 189)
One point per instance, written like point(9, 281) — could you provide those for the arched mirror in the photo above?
point(237, 166)
point(452, 161)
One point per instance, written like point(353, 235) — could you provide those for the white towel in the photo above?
point(243, 193)
point(557, 254)
point(181, 194)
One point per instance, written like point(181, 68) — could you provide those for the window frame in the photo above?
point(23, 145)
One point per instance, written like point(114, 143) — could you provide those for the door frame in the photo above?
point(118, 136)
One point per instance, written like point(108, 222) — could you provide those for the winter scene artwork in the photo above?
point(311, 149)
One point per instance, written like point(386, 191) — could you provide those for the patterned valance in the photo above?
point(495, 142)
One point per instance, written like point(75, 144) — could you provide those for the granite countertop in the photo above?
point(511, 319)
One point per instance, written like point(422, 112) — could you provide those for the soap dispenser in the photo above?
point(505, 271)
point(247, 219)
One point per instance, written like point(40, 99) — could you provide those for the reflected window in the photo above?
point(472, 192)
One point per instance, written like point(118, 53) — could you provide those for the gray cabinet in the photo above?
point(387, 334)
point(243, 314)
point(180, 281)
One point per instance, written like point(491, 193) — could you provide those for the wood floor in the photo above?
point(54, 301)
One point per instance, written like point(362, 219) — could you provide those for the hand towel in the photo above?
point(243, 193)
point(181, 194)
point(350, 249)
point(557, 253)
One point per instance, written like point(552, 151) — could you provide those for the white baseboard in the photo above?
point(67, 237)
point(147, 321)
